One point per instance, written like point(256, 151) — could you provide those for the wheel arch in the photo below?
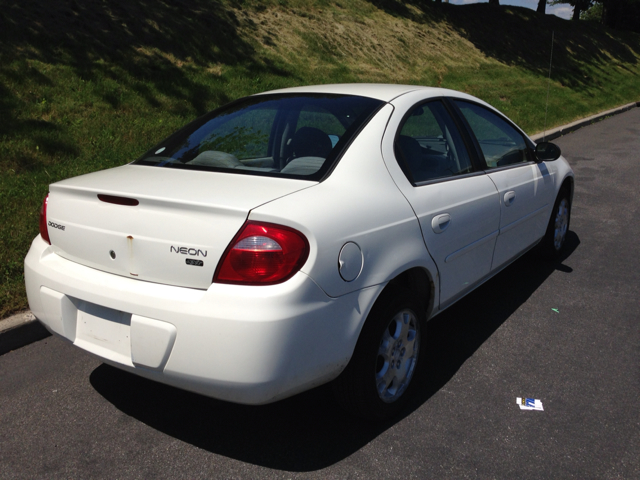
point(420, 281)
point(417, 279)
point(352, 389)
point(568, 184)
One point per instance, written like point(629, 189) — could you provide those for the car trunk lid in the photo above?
point(156, 224)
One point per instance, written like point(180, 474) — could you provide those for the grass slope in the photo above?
point(87, 85)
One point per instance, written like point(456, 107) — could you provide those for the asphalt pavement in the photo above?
point(566, 333)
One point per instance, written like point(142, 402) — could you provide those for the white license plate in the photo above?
point(104, 332)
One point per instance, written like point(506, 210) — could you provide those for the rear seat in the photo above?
point(303, 166)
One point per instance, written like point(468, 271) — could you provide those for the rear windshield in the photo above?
point(297, 136)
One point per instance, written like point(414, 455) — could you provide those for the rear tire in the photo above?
point(380, 377)
point(556, 234)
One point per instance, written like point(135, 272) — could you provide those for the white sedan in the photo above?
point(293, 238)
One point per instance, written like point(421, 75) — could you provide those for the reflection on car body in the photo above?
point(327, 224)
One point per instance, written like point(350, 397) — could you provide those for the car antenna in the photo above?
point(546, 107)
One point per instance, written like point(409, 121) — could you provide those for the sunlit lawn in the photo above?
point(86, 86)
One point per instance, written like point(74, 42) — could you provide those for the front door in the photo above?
point(525, 187)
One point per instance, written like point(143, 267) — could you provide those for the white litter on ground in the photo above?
point(529, 404)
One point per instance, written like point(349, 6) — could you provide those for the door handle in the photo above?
point(509, 197)
point(439, 223)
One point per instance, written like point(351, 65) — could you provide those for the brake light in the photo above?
point(130, 202)
point(44, 231)
point(262, 254)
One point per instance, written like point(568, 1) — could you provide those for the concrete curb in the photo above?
point(571, 127)
point(16, 320)
point(21, 329)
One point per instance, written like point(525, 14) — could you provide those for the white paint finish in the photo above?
point(59, 313)
point(509, 197)
point(385, 92)
point(200, 211)
point(196, 189)
point(151, 342)
point(382, 92)
point(257, 344)
point(468, 249)
point(439, 223)
point(358, 203)
point(272, 325)
point(463, 251)
point(103, 331)
point(350, 261)
point(530, 191)
point(473, 206)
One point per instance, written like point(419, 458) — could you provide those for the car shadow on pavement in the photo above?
point(308, 431)
point(23, 335)
point(455, 335)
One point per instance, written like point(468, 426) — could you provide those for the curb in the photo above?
point(19, 331)
point(22, 329)
point(571, 127)
point(16, 320)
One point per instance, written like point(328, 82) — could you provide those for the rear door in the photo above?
point(457, 205)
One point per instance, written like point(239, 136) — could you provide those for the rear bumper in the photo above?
point(251, 345)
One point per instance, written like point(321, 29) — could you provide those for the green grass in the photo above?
point(91, 85)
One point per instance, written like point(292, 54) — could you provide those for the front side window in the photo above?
point(297, 135)
point(501, 143)
point(429, 145)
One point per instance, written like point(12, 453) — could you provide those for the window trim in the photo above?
point(476, 164)
point(328, 166)
point(469, 131)
point(449, 179)
point(342, 149)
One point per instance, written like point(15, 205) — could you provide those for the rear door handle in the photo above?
point(509, 197)
point(439, 223)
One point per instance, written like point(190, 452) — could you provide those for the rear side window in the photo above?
point(429, 146)
point(501, 143)
point(277, 135)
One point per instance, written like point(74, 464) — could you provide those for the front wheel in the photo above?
point(377, 382)
point(556, 234)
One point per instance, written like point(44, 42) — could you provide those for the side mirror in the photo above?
point(547, 152)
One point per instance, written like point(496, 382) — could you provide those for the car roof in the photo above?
point(380, 91)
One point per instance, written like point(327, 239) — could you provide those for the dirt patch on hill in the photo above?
point(378, 47)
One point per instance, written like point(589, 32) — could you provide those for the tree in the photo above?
point(593, 14)
point(542, 7)
point(618, 14)
point(578, 6)
point(621, 14)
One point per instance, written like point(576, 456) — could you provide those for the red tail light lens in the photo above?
point(130, 202)
point(262, 254)
point(44, 232)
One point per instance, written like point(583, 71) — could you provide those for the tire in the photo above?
point(555, 237)
point(378, 380)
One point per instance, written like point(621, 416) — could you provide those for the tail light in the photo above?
point(262, 254)
point(44, 232)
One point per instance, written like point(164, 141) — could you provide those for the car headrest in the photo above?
point(410, 149)
point(311, 142)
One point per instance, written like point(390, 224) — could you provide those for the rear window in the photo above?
point(293, 135)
